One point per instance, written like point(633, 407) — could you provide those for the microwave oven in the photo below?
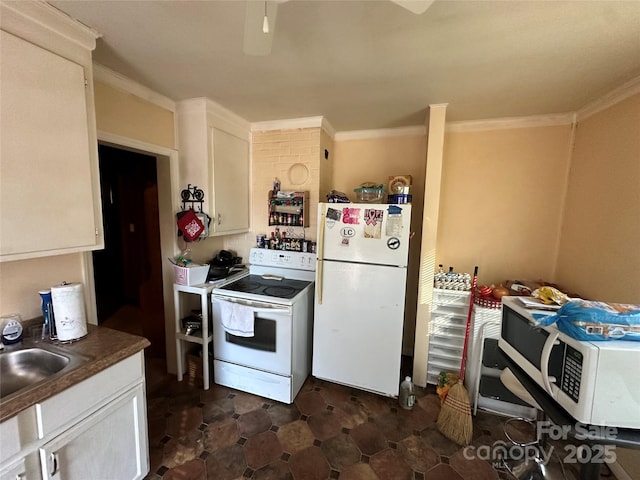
point(597, 383)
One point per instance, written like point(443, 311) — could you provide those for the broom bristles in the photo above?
point(454, 420)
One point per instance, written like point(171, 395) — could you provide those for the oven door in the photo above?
point(270, 347)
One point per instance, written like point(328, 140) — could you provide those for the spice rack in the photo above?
point(288, 211)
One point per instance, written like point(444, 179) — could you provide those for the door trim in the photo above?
point(168, 203)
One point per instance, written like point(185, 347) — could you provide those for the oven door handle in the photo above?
point(257, 307)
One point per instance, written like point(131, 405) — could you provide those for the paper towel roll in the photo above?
point(69, 311)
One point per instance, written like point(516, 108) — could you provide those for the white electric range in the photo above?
point(275, 360)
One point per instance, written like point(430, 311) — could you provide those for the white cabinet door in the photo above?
point(214, 155)
point(47, 192)
point(111, 443)
point(230, 182)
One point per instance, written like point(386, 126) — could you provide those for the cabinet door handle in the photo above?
point(53, 458)
point(219, 219)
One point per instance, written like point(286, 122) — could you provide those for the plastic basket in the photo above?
point(191, 275)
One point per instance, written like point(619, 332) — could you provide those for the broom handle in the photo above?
point(466, 334)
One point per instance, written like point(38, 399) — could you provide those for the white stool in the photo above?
point(529, 468)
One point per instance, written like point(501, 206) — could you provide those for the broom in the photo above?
point(454, 419)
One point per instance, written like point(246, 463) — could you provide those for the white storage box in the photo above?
point(191, 275)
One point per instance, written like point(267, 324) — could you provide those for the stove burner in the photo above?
point(257, 285)
point(251, 287)
point(283, 292)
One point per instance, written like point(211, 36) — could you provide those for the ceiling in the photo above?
point(372, 64)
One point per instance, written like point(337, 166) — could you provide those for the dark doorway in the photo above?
point(128, 272)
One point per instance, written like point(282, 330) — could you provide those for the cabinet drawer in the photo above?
point(436, 350)
point(444, 329)
point(432, 377)
point(447, 341)
point(86, 397)
point(451, 318)
point(450, 310)
point(444, 365)
point(17, 433)
point(450, 298)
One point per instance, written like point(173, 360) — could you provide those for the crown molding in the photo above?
point(327, 127)
point(13, 14)
point(512, 122)
point(632, 87)
point(288, 124)
point(214, 114)
point(223, 114)
point(116, 80)
point(381, 133)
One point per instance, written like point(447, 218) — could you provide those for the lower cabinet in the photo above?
point(105, 445)
point(95, 429)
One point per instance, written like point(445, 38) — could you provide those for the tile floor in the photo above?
point(329, 432)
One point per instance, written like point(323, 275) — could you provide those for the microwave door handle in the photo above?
point(547, 380)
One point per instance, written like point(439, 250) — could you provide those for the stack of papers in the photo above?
point(531, 302)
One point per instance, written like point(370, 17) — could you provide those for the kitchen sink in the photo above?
point(29, 365)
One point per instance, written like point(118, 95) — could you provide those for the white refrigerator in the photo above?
point(360, 292)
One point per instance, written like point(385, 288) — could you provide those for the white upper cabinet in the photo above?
point(49, 180)
point(214, 156)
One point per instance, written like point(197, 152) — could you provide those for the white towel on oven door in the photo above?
point(237, 319)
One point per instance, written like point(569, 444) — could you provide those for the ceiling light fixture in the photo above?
point(265, 20)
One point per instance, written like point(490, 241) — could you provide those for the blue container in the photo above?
point(49, 330)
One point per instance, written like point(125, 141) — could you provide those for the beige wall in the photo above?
point(375, 160)
point(20, 281)
point(125, 114)
point(599, 253)
point(501, 201)
point(326, 165)
point(116, 112)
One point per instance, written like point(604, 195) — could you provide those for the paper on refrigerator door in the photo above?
point(373, 218)
point(394, 222)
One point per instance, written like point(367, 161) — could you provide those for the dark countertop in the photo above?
point(102, 347)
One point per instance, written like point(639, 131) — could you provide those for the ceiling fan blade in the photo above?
point(416, 6)
point(256, 42)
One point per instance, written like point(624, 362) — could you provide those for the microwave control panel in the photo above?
point(572, 373)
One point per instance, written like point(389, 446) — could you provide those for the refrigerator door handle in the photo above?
point(320, 254)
